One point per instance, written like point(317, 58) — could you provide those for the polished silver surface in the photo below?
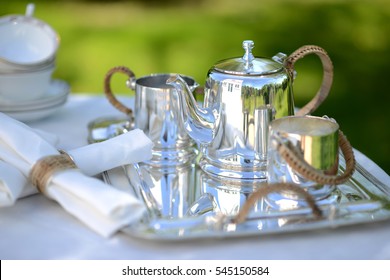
point(231, 126)
point(192, 209)
point(263, 115)
point(316, 139)
point(105, 128)
point(249, 65)
point(167, 192)
point(156, 114)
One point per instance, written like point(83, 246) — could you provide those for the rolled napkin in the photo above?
point(92, 159)
point(130, 147)
point(12, 183)
point(98, 205)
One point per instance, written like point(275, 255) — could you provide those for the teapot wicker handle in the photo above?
point(108, 92)
point(327, 78)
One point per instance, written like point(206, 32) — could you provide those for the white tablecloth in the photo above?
point(37, 228)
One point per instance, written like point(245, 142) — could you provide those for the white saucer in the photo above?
point(33, 110)
point(57, 91)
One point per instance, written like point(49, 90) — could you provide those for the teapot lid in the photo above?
point(250, 65)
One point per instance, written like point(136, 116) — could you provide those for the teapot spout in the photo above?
point(200, 123)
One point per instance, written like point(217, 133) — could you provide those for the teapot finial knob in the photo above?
point(248, 45)
point(30, 9)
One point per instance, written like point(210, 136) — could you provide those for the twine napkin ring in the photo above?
point(43, 170)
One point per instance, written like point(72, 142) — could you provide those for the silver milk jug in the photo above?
point(154, 114)
point(241, 97)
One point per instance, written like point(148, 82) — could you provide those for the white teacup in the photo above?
point(25, 86)
point(25, 43)
point(28, 48)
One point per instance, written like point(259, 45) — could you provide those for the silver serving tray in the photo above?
point(180, 207)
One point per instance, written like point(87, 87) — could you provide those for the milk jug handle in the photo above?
point(327, 78)
point(110, 95)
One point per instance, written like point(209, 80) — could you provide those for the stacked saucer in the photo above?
point(28, 48)
point(30, 110)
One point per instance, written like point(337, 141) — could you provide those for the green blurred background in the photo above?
point(189, 36)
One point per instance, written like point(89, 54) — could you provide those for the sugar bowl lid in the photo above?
point(248, 65)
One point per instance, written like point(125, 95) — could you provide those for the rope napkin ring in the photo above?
point(44, 169)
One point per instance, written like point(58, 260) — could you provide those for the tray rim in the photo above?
point(146, 232)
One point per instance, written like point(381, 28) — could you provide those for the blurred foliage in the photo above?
point(190, 36)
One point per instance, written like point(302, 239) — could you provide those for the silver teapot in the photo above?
point(242, 96)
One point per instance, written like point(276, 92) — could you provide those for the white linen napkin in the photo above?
point(131, 147)
point(92, 159)
point(12, 182)
point(95, 203)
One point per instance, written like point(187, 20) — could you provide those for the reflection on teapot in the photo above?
point(242, 96)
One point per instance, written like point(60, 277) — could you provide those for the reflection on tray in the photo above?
point(183, 202)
